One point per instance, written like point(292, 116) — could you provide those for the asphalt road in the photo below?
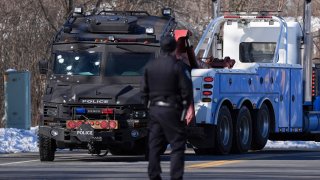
point(266, 164)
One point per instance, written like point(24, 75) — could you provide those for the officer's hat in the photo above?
point(168, 44)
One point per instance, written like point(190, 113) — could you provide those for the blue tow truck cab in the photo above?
point(270, 93)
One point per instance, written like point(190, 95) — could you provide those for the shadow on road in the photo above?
point(268, 154)
point(82, 156)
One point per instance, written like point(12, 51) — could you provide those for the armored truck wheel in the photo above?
point(224, 131)
point(261, 128)
point(242, 135)
point(47, 148)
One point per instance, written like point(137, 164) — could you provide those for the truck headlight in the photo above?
point(166, 11)
point(149, 30)
point(54, 132)
point(78, 10)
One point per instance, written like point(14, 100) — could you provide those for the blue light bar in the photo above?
point(81, 111)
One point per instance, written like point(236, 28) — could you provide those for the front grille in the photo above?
point(121, 113)
point(50, 111)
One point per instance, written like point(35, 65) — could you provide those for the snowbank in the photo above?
point(293, 144)
point(18, 140)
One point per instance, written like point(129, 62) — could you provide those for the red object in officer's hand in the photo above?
point(190, 114)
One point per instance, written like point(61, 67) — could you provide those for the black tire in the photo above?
point(260, 128)
point(47, 148)
point(242, 136)
point(224, 131)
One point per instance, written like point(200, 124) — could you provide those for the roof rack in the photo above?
point(251, 13)
point(124, 13)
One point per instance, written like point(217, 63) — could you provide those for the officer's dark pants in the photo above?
point(165, 125)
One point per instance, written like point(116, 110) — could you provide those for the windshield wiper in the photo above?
point(82, 48)
point(123, 48)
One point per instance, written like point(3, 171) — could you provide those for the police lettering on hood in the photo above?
point(94, 101)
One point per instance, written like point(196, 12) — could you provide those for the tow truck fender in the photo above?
point(218, 108)
point(242, 101)
point(261, 101)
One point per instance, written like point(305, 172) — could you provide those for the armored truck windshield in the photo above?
point(102, 60)
point(86, 63)
point(127, 64)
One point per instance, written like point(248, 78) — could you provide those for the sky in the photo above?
point(20, 141)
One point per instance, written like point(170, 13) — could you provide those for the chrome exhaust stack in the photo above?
point(307, 55)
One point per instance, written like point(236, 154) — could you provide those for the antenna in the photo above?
point(97, 5)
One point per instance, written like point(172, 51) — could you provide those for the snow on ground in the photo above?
point(293, 144)
point(18, 140)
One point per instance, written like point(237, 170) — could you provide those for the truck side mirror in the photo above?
point(43, 66)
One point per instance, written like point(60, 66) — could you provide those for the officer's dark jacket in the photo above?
point(166, 79)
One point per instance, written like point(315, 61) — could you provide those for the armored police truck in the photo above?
point(92, 98)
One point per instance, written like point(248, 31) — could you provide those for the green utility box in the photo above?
point(17, 99)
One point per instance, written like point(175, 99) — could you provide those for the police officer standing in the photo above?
point(167, 88)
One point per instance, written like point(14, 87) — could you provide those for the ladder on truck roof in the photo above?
point(209, 36)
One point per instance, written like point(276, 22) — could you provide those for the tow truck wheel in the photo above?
point(47, 148)
point(261, 128)
point(224, 131)
point(242, 131)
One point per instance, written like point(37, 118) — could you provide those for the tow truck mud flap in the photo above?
point(201, 137)
point(84, 133)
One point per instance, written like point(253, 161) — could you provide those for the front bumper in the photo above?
point(66, 138)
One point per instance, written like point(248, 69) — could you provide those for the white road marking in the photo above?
point(19, 162)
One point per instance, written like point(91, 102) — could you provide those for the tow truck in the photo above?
point(271, 92)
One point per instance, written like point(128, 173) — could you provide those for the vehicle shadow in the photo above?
point(267, 154)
